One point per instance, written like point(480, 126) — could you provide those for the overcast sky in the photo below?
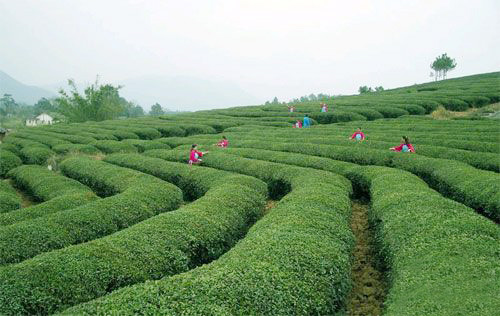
point(269, 48)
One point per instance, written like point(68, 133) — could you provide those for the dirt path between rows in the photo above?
point(368, 292)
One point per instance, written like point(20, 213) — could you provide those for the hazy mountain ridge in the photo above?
point(173, 92)
point(22, 92)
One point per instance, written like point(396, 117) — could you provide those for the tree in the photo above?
point(441, 65)
point(275, 100)
point(7, 105)
point(131, 109)
point(98, 103)
point(364, 89)
point(379, 88)
point(44, 105)
point(156, 110)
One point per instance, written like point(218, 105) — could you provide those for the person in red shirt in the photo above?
point(358, 135)
point(223, 143)
point(405, 146)
point(297, 124)
point(195, 155)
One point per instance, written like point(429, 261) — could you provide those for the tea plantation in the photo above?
point(119, 223)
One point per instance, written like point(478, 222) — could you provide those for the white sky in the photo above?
point(269, 48)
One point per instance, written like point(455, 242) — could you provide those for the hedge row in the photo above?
point(485, 161)
point(476, 188)
point(75, 130)
point(76, 148)
point(113, 146)
point(36, 155)
point(163, 245)
point(141, 132)
point(8, 161)
point(419, 230)
point(38, 137)
point(119, 134)
point(296, 260)
point(139, 197)
point(57, 192)
point(441, 256)
point(44, 184)
point(9, 200)
point(143, 145)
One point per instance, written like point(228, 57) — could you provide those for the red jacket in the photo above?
point(354, 135)
point(194, 155)
point(400, 148)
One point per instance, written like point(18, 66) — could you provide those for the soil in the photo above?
point(26, 199)
point(269, 205)
point(368, 292)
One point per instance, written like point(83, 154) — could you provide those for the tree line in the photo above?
point(97, 102)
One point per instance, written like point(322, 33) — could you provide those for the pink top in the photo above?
point(223, 143)
point(400, 147)
point(194, 155)
point(360, 133)
point(298, 124)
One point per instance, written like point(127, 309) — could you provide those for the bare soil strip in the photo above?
point(26, 199)
point(368, 292)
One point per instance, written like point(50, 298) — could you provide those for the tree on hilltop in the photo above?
point(441, 65)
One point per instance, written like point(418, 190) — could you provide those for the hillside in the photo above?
point(126, 217)
point(21, 92)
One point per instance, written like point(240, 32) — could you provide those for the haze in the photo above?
point(253, 49)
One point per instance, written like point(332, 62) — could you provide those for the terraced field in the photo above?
point(120, 224)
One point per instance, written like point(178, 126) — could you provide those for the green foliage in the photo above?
point(36, 155)
point(9, 200)
point(156, 110)
point(76, 148)
point(274, 265)
point(8, 161)
point(364, 89)
point(138, 197)
point(44, 105)
point(440, 255)
point(98, 103)
point(113, 146)
point(167, 244)
point(442, 64)
point(143, 145)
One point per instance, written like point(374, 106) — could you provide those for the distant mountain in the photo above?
point(184, 93)
point(21, 92)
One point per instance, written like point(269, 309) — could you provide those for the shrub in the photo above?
point(113, 146)
point(391, 112)
point(36, 155)
point(143, 145)
point(418, 230)
point(165, 244)
point(140, 196)
point(8, 198)
point(8, 161)
point(282, 255)
point(78, 148)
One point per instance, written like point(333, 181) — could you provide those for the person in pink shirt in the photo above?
point(223, 143)
point(195, 155)
point(297, 124)
point(358, 135)
point(405, 146)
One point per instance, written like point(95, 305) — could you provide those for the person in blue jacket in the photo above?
point(307, 121)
